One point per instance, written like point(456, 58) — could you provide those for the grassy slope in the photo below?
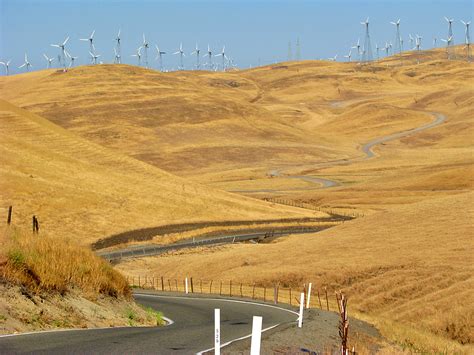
point(84, 191)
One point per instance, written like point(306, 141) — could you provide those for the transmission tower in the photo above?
point(298, 49)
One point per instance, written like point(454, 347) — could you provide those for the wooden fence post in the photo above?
point(9, 219)
point(327, 300)
point(192, 287)
point(290, 296)
point(253, 291)
point(319, 299)
point(264, 293)
point(241, 295)
point(162, 284)
point(230, 288)
point(139, 283)
point(210, 287)
point(220, 289)
point(33, 223)
point(201, 285)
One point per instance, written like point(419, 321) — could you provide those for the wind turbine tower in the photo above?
point(159, 56)
point(49, 60)
point(450, 37)
point(367, 55)
point(118, 49)
point(62, 46)
point(290, 52)
point(398, 38)
point(197, 51)
point(145, 53)
point(224, 57)
point(181, 55)
point(209, 57)
point(467, 39)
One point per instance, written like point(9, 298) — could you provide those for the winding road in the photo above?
point(367, 149)
point(191, 332)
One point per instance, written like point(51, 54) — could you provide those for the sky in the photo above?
point(254, 32)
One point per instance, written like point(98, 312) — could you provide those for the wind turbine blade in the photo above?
point(118, 35)
point(45, 56)
point(21, 66)
point(65, 41)
point(55, 45)
point(83, 39)
point(176, 52)
point(92, 34)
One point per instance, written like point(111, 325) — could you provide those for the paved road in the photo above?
point(191, 332)
point(154, 249)
point(367, 149)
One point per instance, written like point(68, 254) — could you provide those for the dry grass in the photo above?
point(44, 264)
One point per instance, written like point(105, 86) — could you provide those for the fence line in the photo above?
point(320, 298)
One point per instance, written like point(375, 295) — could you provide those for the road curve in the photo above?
point(367, 149)
point(191, 332)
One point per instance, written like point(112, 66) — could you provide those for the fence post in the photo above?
point(186, 285)
point(309, 295)
point(290, 296)
point(275, 301)
point(145, 281)
point(253, 291)
point(210, 287)
point(33, 222)
point(264, 293)
point(192, 286)
point(9, 219)
point(220, 289)
point(162, 284)
point(327, 300)
point(139, 283)
point(241, 295)
point(201, 285)
point(230, 288)
point(319, 299)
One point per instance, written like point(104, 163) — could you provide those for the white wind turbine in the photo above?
point(435, 40)
point(197, 51)
point(181, 55)
point(224, 57)
point(448, 44)
point(367, 46)
point(90, 40)
point(387, 48)
point(450, 35)
point(117, 57)
point(72, 59)
point(357, 46)
point(118, 49)
point(49, 60)
point(26, 63)
point(94, 57)
point(62, 46)
point(398, 43)
point(209, 55)
point(138, 55)
point(333, 59)
point(145, 46)
point(349, 56)
point(467, 38)
point(412, 41)
point(377, 49)
point(159, 56)
point(6, 65)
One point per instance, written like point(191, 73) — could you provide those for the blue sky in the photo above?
point(252, 31)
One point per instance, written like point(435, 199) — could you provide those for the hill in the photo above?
point(83, 191)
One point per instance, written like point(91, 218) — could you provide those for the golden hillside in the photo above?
point(83, 191)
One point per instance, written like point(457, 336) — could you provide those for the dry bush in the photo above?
point(43, 263)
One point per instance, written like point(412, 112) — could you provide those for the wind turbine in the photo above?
point(418, 47)
point(448, 44)
point(181, 55)
point(197, 51)
point(224, 57)
point(62, 46)
point(26, 63)
point(435, 40)
point(94, 57)
point(412, 41)
point(159, 56)
point(118, 49)
point(209, 55)
point(6, 65)
point(145, 46)
point(349, 56)
point(467, 38)
point(138, 55)
point(117, 57)
point(72, 59)
point(357, 46)
point(398, 38)
point(377, 48)
point(49, 60)
point(90, 40)
point(333, 59)
point(367, 46)
point(387, 47)
point(450, 35)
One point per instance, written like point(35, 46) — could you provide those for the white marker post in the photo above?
point(186, 285)
point(217, 331)
point(300, 319)
point(308, 295)
point(256, 335)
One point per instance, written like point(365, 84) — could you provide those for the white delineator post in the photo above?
point(308, 295)
point(300, 319)
point(256, 335)
point(186, 285)
point(217, 331)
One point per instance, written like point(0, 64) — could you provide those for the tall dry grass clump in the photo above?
point(42, 263)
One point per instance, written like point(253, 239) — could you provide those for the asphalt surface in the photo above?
point(191, 332)
point(366, 149)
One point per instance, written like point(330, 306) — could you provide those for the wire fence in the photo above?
point(277, 294)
